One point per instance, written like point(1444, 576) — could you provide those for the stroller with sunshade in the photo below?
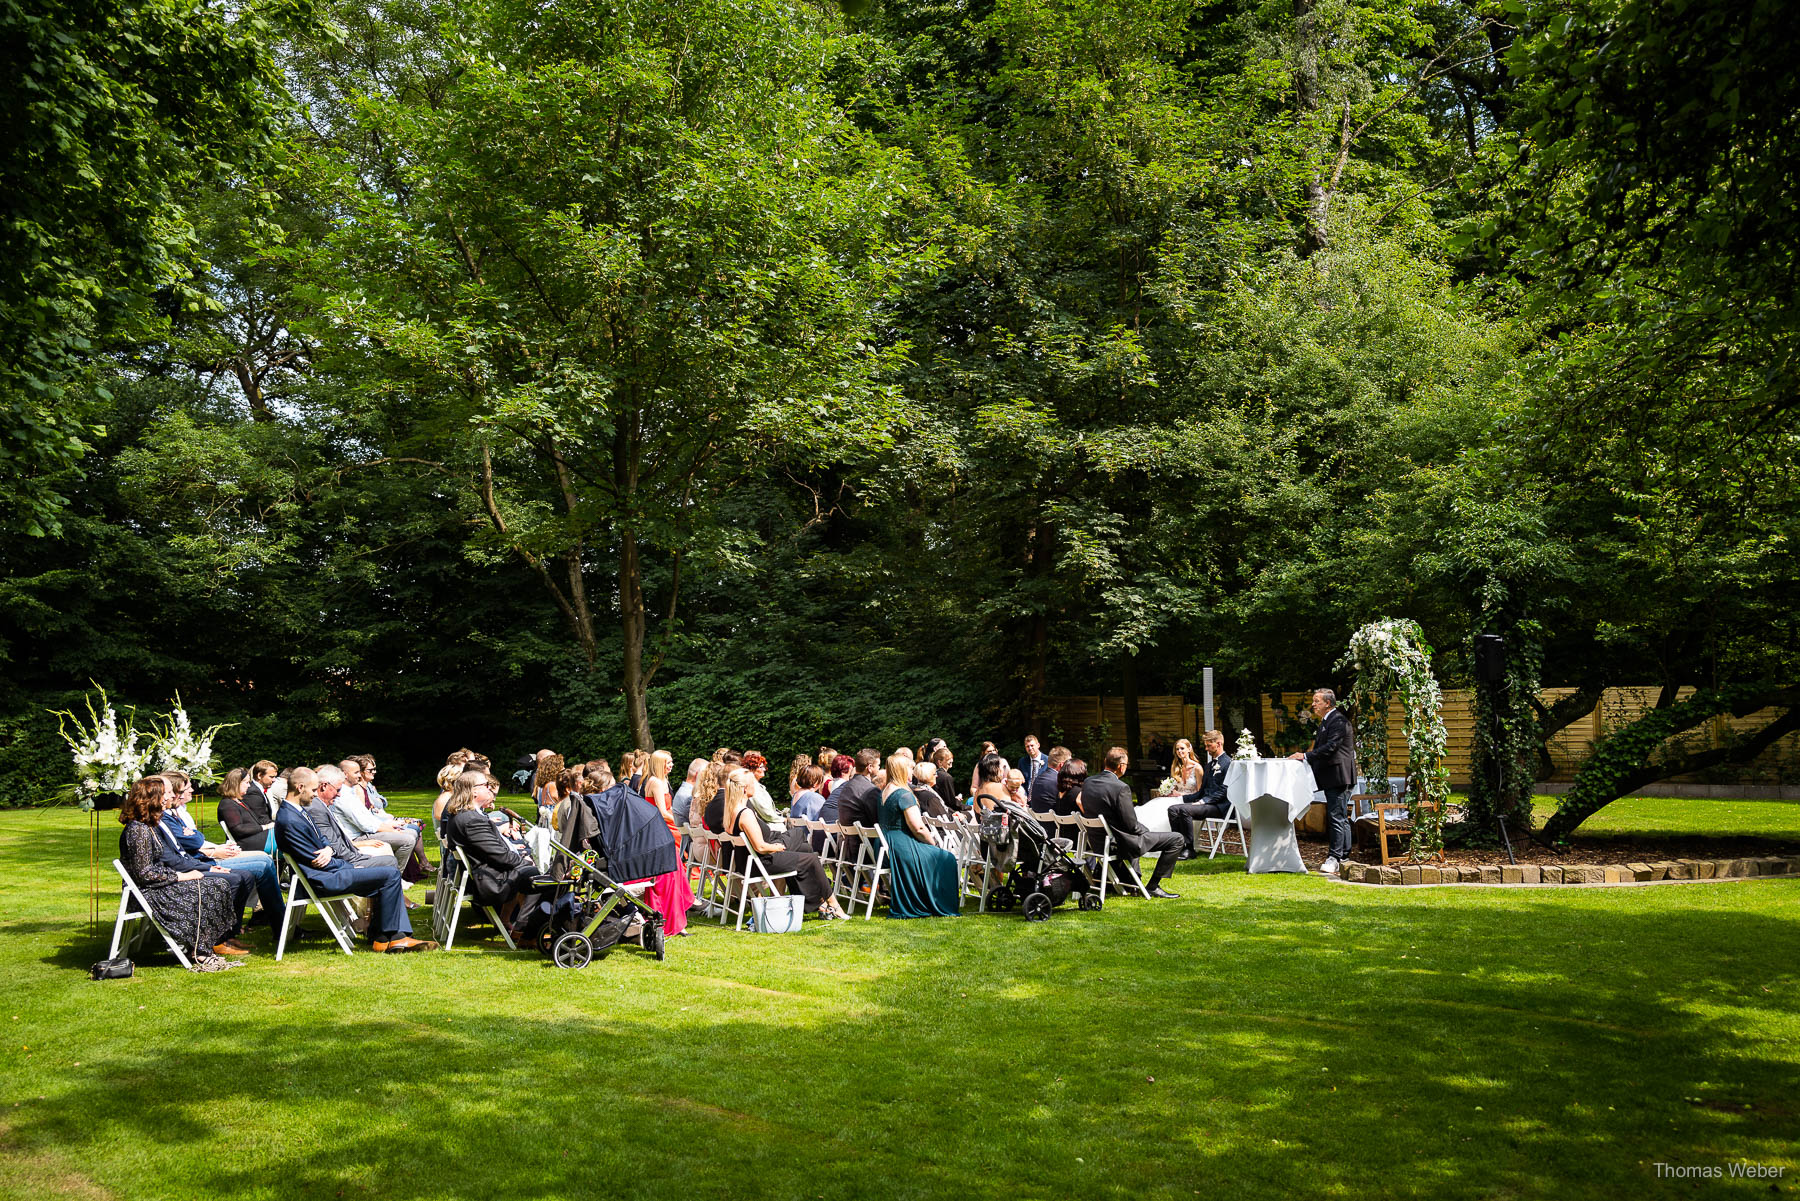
point(1044, 874)
point(604, 838)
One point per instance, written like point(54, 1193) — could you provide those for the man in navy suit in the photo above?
point(1333, 763)
point(330, 873)
point(1209, 799)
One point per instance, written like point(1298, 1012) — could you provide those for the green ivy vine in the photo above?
point(1391, 656)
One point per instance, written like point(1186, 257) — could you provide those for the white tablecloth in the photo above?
point(1270, 795)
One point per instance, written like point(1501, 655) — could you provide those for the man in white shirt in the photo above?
point(356, 819)
point(682, 803)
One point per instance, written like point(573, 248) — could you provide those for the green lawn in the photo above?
point(1261, 1037)
point(1657, 816)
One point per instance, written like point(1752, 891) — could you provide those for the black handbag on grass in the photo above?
point(111, 969)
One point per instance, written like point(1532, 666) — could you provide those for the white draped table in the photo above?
point(1270, 795)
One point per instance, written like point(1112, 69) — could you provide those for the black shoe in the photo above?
point(1163, 894)
point(1188, 854)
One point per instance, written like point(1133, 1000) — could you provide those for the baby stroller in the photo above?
point(605, 837)
point(1045, 874)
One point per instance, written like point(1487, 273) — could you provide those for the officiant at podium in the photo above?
point(1333, 763)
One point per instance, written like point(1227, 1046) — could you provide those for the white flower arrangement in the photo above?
point(1246, 746)
point(108, 757)
point(105, 750)
point(178, 748)
point(1169, 787)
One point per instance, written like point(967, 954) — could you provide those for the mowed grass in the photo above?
point(1669, 817)
point(1261, 1037)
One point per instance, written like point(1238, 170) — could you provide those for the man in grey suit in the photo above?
point(1333, 763)
point(1109, 797)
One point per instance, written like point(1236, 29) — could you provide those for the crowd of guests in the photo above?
point(335, 825)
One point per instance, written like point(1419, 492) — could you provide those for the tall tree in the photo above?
point(606, 257)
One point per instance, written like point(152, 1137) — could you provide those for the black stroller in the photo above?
point(1044, 874)
point(606, 837)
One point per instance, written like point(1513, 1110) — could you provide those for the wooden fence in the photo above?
point(1087, 724)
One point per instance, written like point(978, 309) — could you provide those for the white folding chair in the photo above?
point(336, 920)
point(842, 862)
point(753, 874)
point(871, 867)
point(1095, 831)
point(703, 857)
point(134, 910)
point(454, 911)
point(1216, 828)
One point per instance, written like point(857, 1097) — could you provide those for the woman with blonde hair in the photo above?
point(1187, 769)
point(446, 777)
point(922, 875)
point(670, 894)
point(801, 760)
point(736, 815)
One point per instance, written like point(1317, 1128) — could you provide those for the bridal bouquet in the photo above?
point(1246, 746)
point(105, 749)
point(1169, 787)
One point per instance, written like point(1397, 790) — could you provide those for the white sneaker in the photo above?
point(1332, 867)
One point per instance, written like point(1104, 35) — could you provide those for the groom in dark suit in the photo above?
point(1209, 799)
point(1333, 762)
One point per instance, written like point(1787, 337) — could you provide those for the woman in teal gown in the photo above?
point(921, 874)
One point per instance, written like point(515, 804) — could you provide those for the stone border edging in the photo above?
point(1540, 874)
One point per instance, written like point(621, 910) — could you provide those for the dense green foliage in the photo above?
point(750, 372)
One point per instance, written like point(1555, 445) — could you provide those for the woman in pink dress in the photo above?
point(670, 895)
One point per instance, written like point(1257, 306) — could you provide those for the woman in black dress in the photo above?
point(194, 907)
point(738, 816)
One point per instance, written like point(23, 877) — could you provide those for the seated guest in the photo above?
point(543, 784)
point(1108, 797)
point(740, 817)
point(377, 802)
point(1015, 787)
point(1208, 800)
point(303, 794)
point(857, 799)
point(184, 835)
point(922, 877)
point(337, 788)
point(809, 802)
point(242, 881)
point(244, 809)
point(990, 783)
point(758, 765)
point(924, 788)
point(669, 894)
point(445, 778)
point(1069, 779)
point(947, 785)
point(841, 768)
point(298, 834)
point(498, 874)
point(683, 803)
point(800, 761)
point(278, 791)
point(195, 907)
point(1045, 787)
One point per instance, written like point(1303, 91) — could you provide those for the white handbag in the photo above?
point(777, 915)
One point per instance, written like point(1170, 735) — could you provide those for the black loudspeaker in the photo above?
point(1490, 658)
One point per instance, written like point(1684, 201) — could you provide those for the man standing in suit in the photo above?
point(331, 874)
point(1035, 761)
point(1333, 762)
point(1107, 796)
point(1209, 799)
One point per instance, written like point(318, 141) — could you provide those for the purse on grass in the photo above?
point(777, 915)
point(111, 969)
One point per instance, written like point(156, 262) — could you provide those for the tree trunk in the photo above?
point(633, 625)
point(1306, 99)
point(1621, 763)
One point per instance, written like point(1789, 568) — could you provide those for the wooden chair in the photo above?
point(1389, 817)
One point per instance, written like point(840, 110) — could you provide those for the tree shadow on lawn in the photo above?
point(1473, 1049)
